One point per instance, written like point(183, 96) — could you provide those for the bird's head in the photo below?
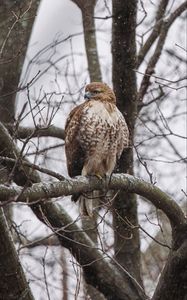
point(99, 91)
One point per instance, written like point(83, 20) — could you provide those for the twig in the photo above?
point(154, 34)
point(155, 240)
point(154, 59)
point(45, 276)
point(33, 166)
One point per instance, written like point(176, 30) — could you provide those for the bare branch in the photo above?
point(21, 162)
point(9, 149)
point(154, 34)
point(83, 184)
point(156, 55)
point(87, 9)
point(24, 132)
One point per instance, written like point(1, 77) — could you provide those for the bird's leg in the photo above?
point(108, 180)
point(105, 180)
point(104, 184)
point(109, 194)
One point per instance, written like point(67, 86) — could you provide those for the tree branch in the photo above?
point(91, 257)
point(174, 273)
point(81, 184)
point(160, 44)
point(87, 9)
point(24, 132)
point(154, 34)
point(24, 174)
point(32, 166)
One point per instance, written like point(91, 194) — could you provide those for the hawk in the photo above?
point(95, 136)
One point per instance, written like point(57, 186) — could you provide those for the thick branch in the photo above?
point(84, 184)
point(175, 274)
point(8, 148)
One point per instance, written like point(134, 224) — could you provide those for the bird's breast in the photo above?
point(103, 111)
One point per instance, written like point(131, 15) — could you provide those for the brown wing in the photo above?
point(74, 152)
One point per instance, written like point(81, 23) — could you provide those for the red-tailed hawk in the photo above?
point(95, 135)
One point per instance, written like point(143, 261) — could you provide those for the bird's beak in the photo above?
point(87, 95)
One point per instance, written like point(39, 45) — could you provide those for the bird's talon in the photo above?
point(99, 176)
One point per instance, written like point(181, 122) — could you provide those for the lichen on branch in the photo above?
point(83, 184)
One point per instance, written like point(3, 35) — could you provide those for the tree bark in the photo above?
point(127, 245)
point(173, 280)
point(87, 9)
point(13, 284)
point(16, 20)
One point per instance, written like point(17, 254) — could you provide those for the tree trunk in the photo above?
point(127, 245)
point(173, 280)
point(16, 20)
point(13, 284)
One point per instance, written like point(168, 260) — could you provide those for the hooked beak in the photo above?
point(88, 95)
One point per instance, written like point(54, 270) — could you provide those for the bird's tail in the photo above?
point(89, 202)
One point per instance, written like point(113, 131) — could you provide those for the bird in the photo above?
point(96, 134)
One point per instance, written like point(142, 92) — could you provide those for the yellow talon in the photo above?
point(98, 176)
